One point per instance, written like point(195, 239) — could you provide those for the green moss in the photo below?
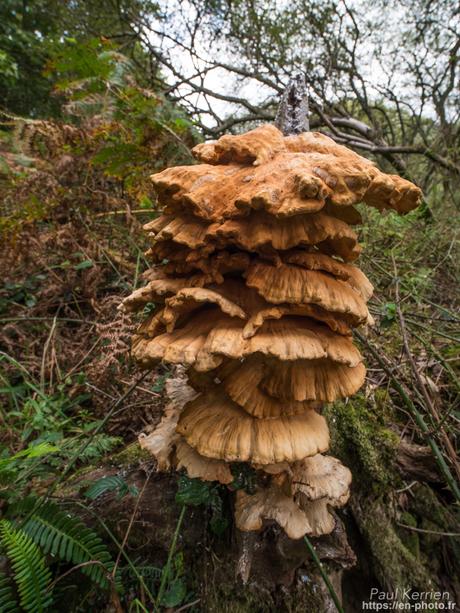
point(409, 538)
point(395, 565)
point(426, 505)
point(434, 518)
point(230, 596)
point(130, 456)
point(362, 441)
point(227, 598)
point(76, 481)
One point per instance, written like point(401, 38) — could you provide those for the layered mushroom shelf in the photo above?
point(255, 296)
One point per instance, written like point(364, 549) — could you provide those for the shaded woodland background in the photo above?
point(95, 96)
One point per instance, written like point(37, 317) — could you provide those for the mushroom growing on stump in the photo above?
point(255, 297)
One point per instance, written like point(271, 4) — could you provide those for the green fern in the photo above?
point(31, 574)
point(8, 602)
point(100, 444)
point(110, 484)
point(67, 538)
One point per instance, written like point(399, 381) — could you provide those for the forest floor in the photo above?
point(67, 382)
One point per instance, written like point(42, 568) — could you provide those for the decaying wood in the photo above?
point(417, 462)
point(292, 116)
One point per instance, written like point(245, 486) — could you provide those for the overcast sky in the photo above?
point(381, 58)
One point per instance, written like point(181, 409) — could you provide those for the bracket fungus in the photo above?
point(255, 297)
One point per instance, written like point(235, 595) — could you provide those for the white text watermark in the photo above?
point(408, 600)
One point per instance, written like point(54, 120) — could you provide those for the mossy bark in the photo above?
point(382, 523)
point(387, 517)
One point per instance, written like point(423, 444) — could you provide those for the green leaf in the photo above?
point(83, 265)
point(145, 203)
point(388, 314)
point(181, 124)
point(81, 378)
point(175, 594)
point(30, 300)
point(218, 524)
point(34, 451)
point(117, 160)
point(159, 384)
point(194, 492)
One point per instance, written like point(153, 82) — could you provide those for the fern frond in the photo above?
point(31, 574)
point(67, 538)
point(8, 602)
point(100, 444)
point(110, 484)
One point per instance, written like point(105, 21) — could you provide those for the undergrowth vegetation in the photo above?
point(74, 194)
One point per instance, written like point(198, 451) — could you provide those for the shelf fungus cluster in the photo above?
point(255, 297)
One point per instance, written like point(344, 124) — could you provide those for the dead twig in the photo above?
point(427, 531)
point(189, 605)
